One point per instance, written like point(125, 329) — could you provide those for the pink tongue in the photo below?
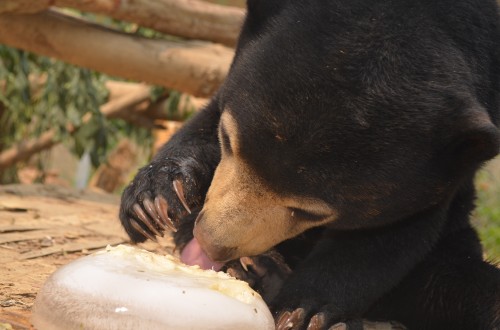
point(192, 254)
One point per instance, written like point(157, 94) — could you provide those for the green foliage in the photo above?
point(40, 94)
point(68, 97)
point(176, 109)
point(58, 97)
point(487, 213)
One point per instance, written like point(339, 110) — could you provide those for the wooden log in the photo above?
point(190, 19)
point(122, 103)
point(118, 88)
point(196, 68)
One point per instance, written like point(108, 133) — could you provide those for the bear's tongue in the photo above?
point(193, 254)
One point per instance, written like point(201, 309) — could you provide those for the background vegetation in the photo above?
point(487, 213)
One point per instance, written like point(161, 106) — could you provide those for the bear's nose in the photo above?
point(214, 251)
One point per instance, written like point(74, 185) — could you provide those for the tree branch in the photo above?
point(197, 68)
point(25, 150)
point(190, 19)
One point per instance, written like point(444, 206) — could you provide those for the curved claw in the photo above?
point(233, 273)
point(282, 323)
point(180, 194)
point(317, 322)
point(291, 320)
point(151, 209)
point(148, 205)
point(161, 206)
point(144, 218)
point(138, 227)
point(338, 326)
point(245, 262)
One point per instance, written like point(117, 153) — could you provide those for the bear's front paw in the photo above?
point(159, 197)
point(306, 318)
point(300, 318)
point(265, 273)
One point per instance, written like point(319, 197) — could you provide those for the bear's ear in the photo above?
point(476, 138)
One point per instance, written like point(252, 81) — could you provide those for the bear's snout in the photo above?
point(214, 251)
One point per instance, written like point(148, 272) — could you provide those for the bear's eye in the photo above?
point(305, 215)
point(225, 141)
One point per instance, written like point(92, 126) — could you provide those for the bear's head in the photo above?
point(332, 118)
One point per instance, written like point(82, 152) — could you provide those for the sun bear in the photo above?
point(336, 163)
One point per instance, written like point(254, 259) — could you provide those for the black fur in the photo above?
point(385, 110)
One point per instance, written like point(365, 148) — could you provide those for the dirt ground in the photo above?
point(44, 227)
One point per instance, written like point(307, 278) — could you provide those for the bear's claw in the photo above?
point(296, 320)
point(139, 212)
point(179, 191)
point(156, 220)
point(290, 320)
point(245, 262)
point(338, 326)
point(161, 206)
point(150, 209)
point(139, 229)
point(317, 322)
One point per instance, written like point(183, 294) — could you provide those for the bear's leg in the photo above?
point(452, 289)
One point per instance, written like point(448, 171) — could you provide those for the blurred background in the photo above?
point(90, 89)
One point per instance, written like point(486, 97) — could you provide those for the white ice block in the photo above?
point(127, 288)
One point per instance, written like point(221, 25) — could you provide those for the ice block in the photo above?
point(127, 288)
